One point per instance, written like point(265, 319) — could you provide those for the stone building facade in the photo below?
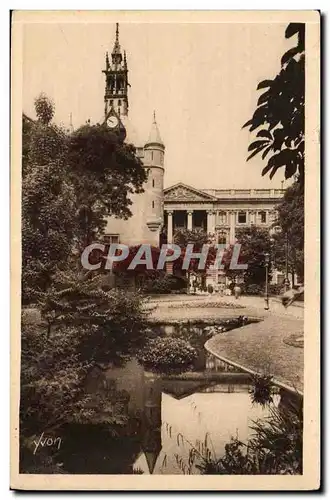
point(218, 211)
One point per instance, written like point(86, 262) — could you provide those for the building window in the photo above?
point(153, 183)
point(222, 240)
point(119, 102)
point(111, 238)
point(222, 217)
point(153, 204)
point(221, 279)
point(152, 155)
point(262, 217)
point(242, 217)
point(111, 102)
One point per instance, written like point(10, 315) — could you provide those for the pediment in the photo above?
point(182, 192)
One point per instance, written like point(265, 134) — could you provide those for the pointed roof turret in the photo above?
point(154, 136)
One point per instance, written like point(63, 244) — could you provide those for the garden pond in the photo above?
point(167, 415)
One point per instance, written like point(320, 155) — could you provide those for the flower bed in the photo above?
point(205, 305)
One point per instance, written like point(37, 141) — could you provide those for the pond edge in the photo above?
point(276, 382)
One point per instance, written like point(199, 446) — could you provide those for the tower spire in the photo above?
point(116, 47)
point(116, 83)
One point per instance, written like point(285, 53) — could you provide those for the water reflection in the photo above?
point(166, 417)
point(215, 403)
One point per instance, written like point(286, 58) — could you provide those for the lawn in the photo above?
point(263, 348)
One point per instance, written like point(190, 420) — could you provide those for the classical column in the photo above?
point(169, 227)
point(267, 217)
point(252, 219)
point(210, 221)
point(232, 227)
point(189, 220)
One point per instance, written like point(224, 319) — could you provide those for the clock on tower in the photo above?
point(114, 123)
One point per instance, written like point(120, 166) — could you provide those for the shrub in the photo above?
point(210, 288)
point(275, 447)
point(275, 289)
point(253, 289)
point(165, 284)
point(167, 355)
point(262, 390)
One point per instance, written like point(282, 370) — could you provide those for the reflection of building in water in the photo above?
point(150, 395)
point(211, 402)
point(152, 421)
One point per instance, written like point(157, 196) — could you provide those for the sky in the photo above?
point(200, 79)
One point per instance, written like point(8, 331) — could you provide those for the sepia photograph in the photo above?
point(165, 194)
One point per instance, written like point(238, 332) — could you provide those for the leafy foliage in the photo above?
point(52, 377)
point(115, 319)
point(105, 173)
point(198, 238)
point(254, 289)
point(45, 109)
point(43, 141)
point(291, 219)
point(48, 203)
point(123, 265)
point(167, 355)
point(85, 329)
point(276, 447)
point(164, 283)
point(279, 118)
point(70, 183)
point(262, 389)
point(255, 243)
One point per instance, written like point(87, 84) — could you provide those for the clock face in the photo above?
point(112, 121)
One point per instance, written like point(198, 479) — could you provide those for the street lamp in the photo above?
point(266, 281)
point(286, 280)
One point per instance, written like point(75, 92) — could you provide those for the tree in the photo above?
point(289, 241)
point(255, 243)
point(85, 327)
point(279, 119)
point(105, 173)
point(48, 202)
point(197, 238)
point(115, 319)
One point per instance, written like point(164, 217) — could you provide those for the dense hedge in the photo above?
point(166, 283)
point(167, 355)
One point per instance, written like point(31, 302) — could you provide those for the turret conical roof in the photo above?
point(154, 136)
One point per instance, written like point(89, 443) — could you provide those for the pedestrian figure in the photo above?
point(237, 291)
